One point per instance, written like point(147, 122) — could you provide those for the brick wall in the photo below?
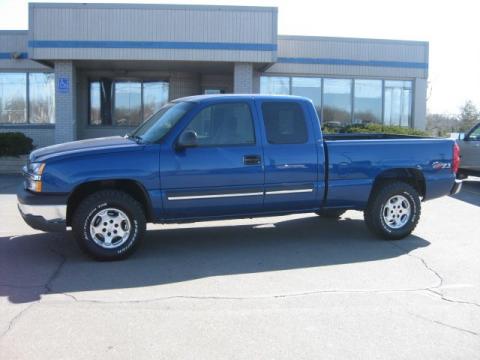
point(243, 78)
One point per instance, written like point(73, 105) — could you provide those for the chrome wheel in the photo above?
point(396, 212)
point(110, 228)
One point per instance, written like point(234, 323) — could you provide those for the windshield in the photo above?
point(160, 123)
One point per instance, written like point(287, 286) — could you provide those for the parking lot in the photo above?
point(282, 288)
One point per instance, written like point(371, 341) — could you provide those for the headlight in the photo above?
point(34, 176)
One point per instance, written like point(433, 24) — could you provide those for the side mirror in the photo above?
point(187, 139)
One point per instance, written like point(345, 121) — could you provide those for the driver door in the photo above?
point(223, 174)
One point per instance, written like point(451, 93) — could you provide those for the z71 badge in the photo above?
point(441, 165)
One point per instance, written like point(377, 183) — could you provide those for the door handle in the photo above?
point(252, 160)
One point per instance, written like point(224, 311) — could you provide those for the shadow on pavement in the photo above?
point(32, 265)
point(470, 191)
point(9, 183)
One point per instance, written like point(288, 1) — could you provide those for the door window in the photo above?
point(284, 123)
point(224, 125)
point(475, 134)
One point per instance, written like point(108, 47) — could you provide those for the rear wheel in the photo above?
point(330, 213)
point(393, 210)
point(109, 225)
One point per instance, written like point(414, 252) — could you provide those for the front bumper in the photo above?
point(42, 211)
point(456, 187)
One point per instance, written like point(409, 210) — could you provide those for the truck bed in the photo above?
point(370, 136)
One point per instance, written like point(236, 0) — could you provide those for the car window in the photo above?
point(223, 125)
point(475, 134)
point(285, 123)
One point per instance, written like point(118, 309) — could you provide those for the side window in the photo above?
point(475, 134)
point(284, 123)
point(224, 124)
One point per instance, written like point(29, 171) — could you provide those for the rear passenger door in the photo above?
point(290, 156)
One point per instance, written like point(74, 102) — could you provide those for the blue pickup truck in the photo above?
point(230, 156)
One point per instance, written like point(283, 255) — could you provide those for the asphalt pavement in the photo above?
point(291, 287)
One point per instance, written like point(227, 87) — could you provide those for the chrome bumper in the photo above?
point(456, 187)
point(49, 218)
point(48, 212)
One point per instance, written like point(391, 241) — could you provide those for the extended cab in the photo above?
point(230, 156)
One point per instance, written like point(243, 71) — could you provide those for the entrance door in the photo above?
point(223, 174)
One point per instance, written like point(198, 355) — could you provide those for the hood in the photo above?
point(81, 146)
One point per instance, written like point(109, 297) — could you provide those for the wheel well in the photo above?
point(413, 177)
point(131, 187)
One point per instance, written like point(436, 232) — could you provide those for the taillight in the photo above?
point(456, 158)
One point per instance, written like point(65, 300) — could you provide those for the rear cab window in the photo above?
point(285, 122)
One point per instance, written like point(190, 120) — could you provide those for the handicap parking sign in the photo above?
point(63, 85)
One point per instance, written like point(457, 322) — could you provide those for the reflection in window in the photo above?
point(398, 103)
point(337, 102)
point(224, 124)
point(368, 101)
point(310, 88)
point(128, 103)
point(13, 98)
point(155, 95)
point(284, 123)
point(125, 100)
point(275, 85)
point(95, 107)
point(41, 98)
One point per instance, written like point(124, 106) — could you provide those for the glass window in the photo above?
point(13, 98)
point(275, 85)
point(224, 124)
point(155, 95)
point(128, 103)
point(368, 101)
point(284, 123)
point(125, 100)
point(158, 125)
point(475, 134)
point(95, 108)
point(310, 88)
point(212, 91)
point(41, 98)
point(398, 103)
point(337, 102)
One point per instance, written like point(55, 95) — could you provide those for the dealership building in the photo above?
point(90, 70)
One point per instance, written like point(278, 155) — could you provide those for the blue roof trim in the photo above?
point(8, 55)
point(150, 45)
point(375, 63)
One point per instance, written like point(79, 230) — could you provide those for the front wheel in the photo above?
point(109, 225)
point(393, 210)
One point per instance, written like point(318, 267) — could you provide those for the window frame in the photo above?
point(114, 125)
point(194, 115)
point(305, 119)
point(28, 122)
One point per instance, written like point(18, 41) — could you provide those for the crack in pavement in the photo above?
point(46, 286)
point(431, 289)
point(14, 320)
point(434, 289)
point(444, 324)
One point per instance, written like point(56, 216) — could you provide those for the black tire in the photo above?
point(330, 213)
point(123, 205)
point(374, 214)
